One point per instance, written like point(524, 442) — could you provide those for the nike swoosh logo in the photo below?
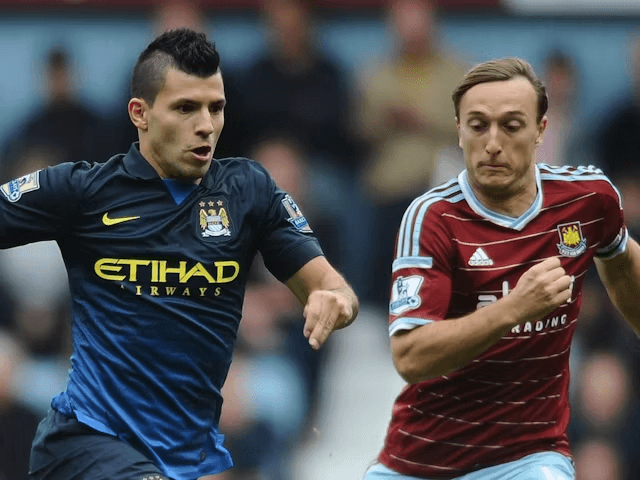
point(114, 221)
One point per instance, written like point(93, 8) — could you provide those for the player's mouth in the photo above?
point(492, 165)
point(202, 153)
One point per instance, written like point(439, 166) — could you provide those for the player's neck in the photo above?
point(512, 203)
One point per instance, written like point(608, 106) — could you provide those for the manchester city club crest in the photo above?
point(214, 220)
point(572, 242)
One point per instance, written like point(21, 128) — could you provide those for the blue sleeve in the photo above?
point(42, 205)
point(285, 238)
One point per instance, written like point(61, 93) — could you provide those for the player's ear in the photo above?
point(458, 128)
point(542, 126)
point(138, 113)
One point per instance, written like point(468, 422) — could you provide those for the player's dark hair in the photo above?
point(499, 70)
point(183, 49)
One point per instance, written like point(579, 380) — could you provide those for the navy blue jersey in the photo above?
point(157, 274)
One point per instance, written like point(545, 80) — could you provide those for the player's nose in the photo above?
point(493, 145)
point(204, 126)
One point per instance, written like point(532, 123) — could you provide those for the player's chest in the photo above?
point(490, 256)
point(205, 226)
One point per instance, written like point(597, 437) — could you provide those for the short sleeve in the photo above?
point(285, 238)
point(41, 205)
point(614, 233)
point(421, 270)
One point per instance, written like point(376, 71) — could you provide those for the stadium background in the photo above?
point(325, 422)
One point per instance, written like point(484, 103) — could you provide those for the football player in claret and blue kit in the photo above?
point(158, 244)
point(487, 283)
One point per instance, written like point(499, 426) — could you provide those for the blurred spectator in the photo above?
point(598, 459)
point(288, 162)
point(619, 137)
point(171, 14)
point(604, 394)
point(604, 418)
point(294, 90)
point(408, 119)
point(18, 422)
point(566, 141)
point(62, 126)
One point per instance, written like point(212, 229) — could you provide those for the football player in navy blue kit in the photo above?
point(158, 244)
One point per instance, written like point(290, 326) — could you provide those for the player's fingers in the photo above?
point(547, 264)
point(554, 274)
point(561, 290)
point(310, 320)
point(318, 323)
point(322, 330)
point(564, 282)
point(562, 297)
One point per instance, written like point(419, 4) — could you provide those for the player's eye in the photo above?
point(477, 125)
point(185, 108)
point(512, 126)
point(217, 107)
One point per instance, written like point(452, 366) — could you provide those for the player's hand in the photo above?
point(325, 311)
point(540, 290)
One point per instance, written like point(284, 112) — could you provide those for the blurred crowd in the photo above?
point(353, 152)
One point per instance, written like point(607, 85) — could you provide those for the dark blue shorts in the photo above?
point(65, 449)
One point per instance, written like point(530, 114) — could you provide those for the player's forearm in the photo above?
point(444, 346)
point(621, 277)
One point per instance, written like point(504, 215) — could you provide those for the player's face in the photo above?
point(183, 125)
point(499, 135)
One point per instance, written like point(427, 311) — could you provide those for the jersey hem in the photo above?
point(415, 470)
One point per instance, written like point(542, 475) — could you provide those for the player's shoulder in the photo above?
point(244, 168)
point(589, 179)
point(82, 171)
point(438, 200)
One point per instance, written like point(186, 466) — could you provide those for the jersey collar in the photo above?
point(136, 164)
point(515, 223)
point(139, 167)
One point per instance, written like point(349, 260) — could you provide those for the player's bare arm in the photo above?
point(444, 346)
point(621, 277)
point(329, 302)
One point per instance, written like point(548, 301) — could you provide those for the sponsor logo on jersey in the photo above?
point(163, 271)
point(480, 259)
point(572, 243)
point(404, 294)
point(165, 278)
point(108, 221)
point(14, 189)
point(214, 221)
point(295, 215)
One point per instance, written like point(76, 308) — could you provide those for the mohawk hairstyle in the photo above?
point(183, 49)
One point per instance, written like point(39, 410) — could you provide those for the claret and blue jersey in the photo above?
point(157, 272)
point(454, 256)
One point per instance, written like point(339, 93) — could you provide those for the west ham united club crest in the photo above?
point(572, 243)
point(213, 218)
